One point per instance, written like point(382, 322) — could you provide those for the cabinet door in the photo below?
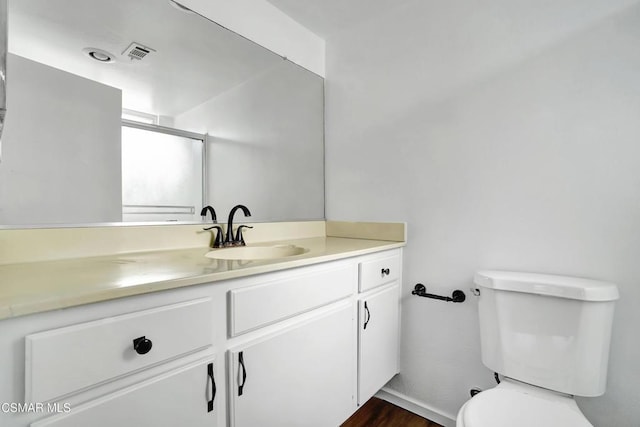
point(182, 397)
point(300, 377)
point(377, 341)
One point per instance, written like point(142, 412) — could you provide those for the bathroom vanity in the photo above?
point(174, 337)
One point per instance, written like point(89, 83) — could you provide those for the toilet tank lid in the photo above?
point(547, 284)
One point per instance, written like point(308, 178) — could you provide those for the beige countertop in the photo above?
point(33, 287)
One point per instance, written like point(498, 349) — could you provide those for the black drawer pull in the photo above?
point(244, 373)
point(142, 345)
point(213, 387)
point(385, 272)
point(367, 315)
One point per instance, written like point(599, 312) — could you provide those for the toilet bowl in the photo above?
point(515, 404)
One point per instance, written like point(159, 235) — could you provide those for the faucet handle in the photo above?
point(239, 238)
point(217, 242)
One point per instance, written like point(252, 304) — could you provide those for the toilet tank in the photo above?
point(549, 331)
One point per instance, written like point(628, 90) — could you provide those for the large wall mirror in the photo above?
point(141, 110)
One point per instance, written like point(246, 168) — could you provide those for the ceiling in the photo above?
point(194, 61)
point(327, 17)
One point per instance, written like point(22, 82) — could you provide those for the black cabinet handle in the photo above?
point(213, 387)
point(244, 372)
point(385, 272)
point(367, 315)
point(142, 345)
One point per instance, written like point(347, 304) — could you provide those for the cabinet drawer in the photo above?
point(256, 306)
point(379, 271)
point(66, 360)
point(182, 397)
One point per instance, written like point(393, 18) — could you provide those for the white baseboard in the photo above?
point(417, 407)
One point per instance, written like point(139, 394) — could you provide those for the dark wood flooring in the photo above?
point(379, 413)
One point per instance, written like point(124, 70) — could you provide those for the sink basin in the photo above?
point(256, 252)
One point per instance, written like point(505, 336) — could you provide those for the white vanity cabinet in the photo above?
point(69, 362)
point(300, 376)
point(65, 360)
point(299, 346)
point(377, 340)
point(180, 397)
point(298, 372)
point(378, 323)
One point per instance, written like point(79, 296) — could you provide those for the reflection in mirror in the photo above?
point(3, 64)
point(161, 173)
point(77, 67)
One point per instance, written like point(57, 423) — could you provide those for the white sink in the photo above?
point(257, 252)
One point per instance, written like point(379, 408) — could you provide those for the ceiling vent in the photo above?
point(137, 51)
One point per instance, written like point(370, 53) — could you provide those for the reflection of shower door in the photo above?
point(162, 173)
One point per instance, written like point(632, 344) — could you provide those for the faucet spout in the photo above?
point(203, 213)
point(229, 240)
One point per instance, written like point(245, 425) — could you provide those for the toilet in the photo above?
point(548, 338)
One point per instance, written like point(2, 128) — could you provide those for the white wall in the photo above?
point(60, 148)
point(507, 134)
point(265, 24)
point(266, 150)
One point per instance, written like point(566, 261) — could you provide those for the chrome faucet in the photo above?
point(229, 240)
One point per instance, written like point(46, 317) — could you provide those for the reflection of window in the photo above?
point(139, 116)
point(161, 174)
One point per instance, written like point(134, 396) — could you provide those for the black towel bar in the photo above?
point(421, 291)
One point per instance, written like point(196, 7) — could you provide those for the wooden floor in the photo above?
point(378, 413)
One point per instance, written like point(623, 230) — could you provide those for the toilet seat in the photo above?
point(520, 406)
